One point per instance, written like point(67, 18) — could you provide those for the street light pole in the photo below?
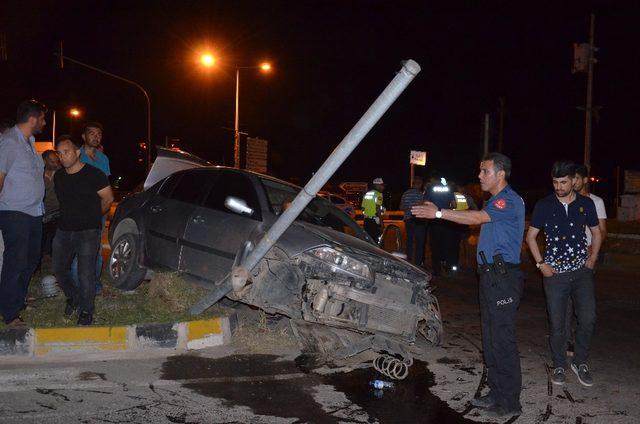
point(236, 132)
point(589, 105)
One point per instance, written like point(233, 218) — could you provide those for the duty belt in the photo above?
point(492, 268)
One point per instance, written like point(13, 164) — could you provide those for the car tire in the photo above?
point(124, 271)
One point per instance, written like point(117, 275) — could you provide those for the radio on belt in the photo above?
point(498, 265)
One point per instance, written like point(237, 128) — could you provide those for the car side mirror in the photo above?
point(237, 205)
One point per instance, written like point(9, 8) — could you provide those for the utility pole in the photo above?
point(3, 47)
point(53, 130)
point(588, 108)
point(486, 133)
point(617, 199)
point(501, 110)
point(236, 131)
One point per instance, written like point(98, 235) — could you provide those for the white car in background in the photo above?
point(339, 202)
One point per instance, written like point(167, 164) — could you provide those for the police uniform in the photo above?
point(501, 285)
point(443, 235)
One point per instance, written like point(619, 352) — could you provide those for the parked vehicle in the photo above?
point(344, 295)
point(339, 202)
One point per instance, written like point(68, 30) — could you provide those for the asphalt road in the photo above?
point(261, 378)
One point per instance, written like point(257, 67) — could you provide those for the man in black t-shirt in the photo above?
point(85, 195)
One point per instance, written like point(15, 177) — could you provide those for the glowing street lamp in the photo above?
point(265, 66)
point(74, 114)
point(207, 60)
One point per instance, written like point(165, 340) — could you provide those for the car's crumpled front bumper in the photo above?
point(394, 305)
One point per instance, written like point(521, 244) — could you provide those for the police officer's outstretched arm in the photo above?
point(429, 210)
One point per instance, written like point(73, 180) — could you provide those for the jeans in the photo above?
point(74, 264)
point(22, 235)
point(579, 286)
point(416, 235)
point(499, 300)
point(66, 245)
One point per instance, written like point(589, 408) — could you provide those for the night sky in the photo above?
point(331, 59)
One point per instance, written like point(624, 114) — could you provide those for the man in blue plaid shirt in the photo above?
point(416, 228)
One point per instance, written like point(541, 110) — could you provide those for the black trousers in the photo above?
point(48, 233)
point(578, 286)
point(444, 242)
point(372, 228)
point(66, 245)
point(499, 300)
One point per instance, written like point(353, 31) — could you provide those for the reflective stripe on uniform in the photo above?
point(461, 202)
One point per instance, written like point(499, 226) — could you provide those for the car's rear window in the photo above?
point(319, 211)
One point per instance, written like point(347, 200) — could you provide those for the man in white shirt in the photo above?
point(582, 186)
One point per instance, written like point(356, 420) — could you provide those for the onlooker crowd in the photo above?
point(53, 204)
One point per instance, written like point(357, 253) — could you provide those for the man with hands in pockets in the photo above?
point(567, 267)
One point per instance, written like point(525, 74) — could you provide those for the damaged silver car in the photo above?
point(345, 296)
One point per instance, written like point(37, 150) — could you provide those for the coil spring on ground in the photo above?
point(392, 367)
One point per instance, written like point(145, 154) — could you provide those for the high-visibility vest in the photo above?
point(370, 202)
point(461, 201)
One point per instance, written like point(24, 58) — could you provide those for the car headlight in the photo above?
point(340, 261)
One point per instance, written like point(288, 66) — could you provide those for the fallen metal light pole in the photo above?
point(238, 275)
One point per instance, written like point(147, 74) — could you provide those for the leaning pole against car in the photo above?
point(237, 278)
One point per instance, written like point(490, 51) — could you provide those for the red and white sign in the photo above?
point(418, 158)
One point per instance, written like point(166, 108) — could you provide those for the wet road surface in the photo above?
point(284, 392)
point(198, 389)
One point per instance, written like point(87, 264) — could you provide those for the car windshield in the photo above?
point(319, 211)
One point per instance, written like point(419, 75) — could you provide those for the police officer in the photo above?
point(501, 280)
point(372, 209)
point(443, 235)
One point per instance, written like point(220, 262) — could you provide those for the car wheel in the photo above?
point(124, 271)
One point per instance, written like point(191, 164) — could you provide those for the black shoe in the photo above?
point(558, 376)
point(499, 411)
point(70, 308)
point(85, 318)
point(584, 376)
point(485, 401)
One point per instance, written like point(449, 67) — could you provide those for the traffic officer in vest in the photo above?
point(501, 280)
point(372, 209)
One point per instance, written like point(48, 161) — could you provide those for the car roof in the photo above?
point(170, 161)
